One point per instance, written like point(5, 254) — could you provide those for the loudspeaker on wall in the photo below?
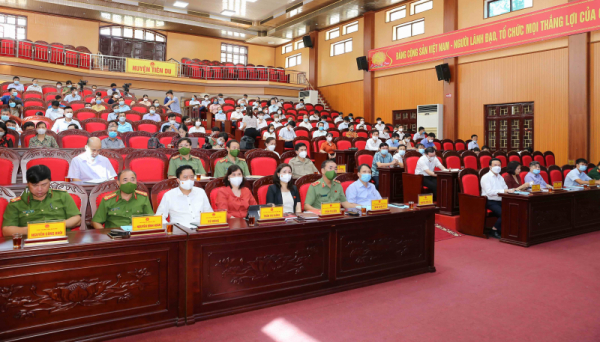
point(443, 72)
point(362, 63)
point(307, 41)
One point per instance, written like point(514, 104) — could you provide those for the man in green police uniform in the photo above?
point(116, 208)
point(326, 190)
point(39, 203)
point(221, 166)
point(185, 158)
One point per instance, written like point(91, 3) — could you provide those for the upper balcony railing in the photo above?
point(78, 58)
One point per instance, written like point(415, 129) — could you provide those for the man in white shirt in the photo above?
point(16, 85)
point(300, 105)
point(344, 125)
point(287, 134)
point(374, 142)
point(380, 125)
point(315, 116)
point(205, 102)
point(55, 111)
point(338, 119)
point(420, 135)
point(221, 99)
point(399, 156)
point(577, 176)
point(113, 89)
point(426, 167)
point(35, 86)
point(183, 204)
point(473, 142)
point(243, 101)
point(273, 108)
point(305, 123)
point(320, 132)
point(492, 184)
point(62, 124)
point(237, 114)
point(361, 125)
point(90, 165)
point(276, 121)
point(74, 96)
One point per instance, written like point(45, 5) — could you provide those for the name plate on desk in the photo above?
point(592, 182)
point(271, 214)
point(557, 185)
point(331, 209)
point(41, 233)
point(536, 188)
point(381, 204)
point(425, 200)
point(214, 219)
point(341, 168)
point(146, 224)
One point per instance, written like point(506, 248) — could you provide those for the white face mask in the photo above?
point(238, 110)
point(329, 138)
point(186, 184)
point(362, 122)
point(271, 147)
point(121, 103)
point(69, 115)
point(236, 181)
point(40, 131)
point(220, 142)
point(430, 140)
point(496, 169)
point(375, 137)
point(285, 177)
point(152, 111)
point(378, 121)
point(122, 119)
point(302, 154)
point(198, 123)
point(172, 122)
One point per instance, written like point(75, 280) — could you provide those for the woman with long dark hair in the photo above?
point(282, 193)
point(234, 197)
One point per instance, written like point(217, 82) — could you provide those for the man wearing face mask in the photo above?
point(301, 165)
point(173, 103)
point(534, 176)
point(90, 165)
point(374, 142)
point(426, 167)
point(362, 192)
point(305, 123)
point(12, 96)
point(420, 134)
point(288, 135)
point(300, 105)
point(393, 142)
point(184, 146)
point(344, 125)
point(55, 111)
point(399, 156)
point(117, 208)
point(221, 99)
point(270, 144)
point(273, 108)
point(361, 124)
point(183, 204)
point(243, 101)
point(382, 158)
point(428, 142)
point(492, 184)
point(237, 114)
point(324, 121)
point(122, 108)
point(171, 125)
point(73, 96)
point(34, 86)
point(420, 148)
point(98, 104)
point(577, 176)
point(215, 107)
point(206, 102)
point(320, 132)
point(233, 150)
point(112, 141)
point(326, 190)
point(315, 116)
point(16, 85)
point(62, 124)
point(113, 89)
point(380, 125)
point(152, 115)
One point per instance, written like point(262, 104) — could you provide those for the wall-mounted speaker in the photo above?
point(362, 63)
point(307, 42)
point(443, 72)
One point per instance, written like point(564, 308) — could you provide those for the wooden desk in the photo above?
point(346, 157)
point(537, 218)
point(240, 268)
point(390, 184)
point(92, 288)
point(447, 192)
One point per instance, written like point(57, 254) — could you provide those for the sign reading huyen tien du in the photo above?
point(148, 67)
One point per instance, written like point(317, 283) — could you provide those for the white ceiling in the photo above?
point(258, 10)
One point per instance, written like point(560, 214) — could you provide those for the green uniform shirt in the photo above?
point(194, 162)
point(115, 212)
point(222, 165)
point(319, 192)
point(594, 174)
point(57, 206)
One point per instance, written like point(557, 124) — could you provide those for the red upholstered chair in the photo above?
point(133, 115)
point(57, 160)
point(413, 184)
point(452, 160)
point(160, 189)
point(526, 158)
point(502, 157)
point(287, 156)
point(140, 108)
point(32, 95)
point(137, 139)
point(35, 102)
point(9, 164)
point(438, 144)
point(566, 169)
point(28, 135)
point(103, 189)
point(335, 132)
point(317, 142)
point(343, 143)
point(77, 105)
point(539, 157)
point(103, 135)
point(115, 158)
point(261, 162)
point(260, 188)
point(303, 183)
point(346, 179)
point(5, 196)
point(202, 137)
point(73, 138)
point(550, 160)
point(513, 156)
point(149, 165)
point(216, 156)
point(472, 205)
point(448, 145)
point(200, 153)
point(306, 141)
point(211, 190)
point(125, 151)
point(49, 89)
point(364, 157)
point(319, 107)
point(524, 172)
point(36, 119)
point(94, 125)
point(360, 142)
point(460, 145)
point(555, 174)
point(79, 195)
point(149, 126)
point(30, 111)
point(544, 174)
point(301, 132)
point(469, 159)
point(84, 114)
point(484, 159)
point(165, 138)
point(50, 96)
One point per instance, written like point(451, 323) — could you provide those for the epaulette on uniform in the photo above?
point(109, 196)
point(16, 199)
point(139, 192)
point(315, 183)
point(223, 160)
point(337, 181)
point(194, 157)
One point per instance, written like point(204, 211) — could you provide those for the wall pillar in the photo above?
point(369, 77)
point(313, 60)
point(451, 88)
point(579, 97)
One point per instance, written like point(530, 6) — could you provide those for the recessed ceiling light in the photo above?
point(180, 4)
point(149, 23)
point(236, 34)
point(228, 13)
point(223, 32)
point(229, 33)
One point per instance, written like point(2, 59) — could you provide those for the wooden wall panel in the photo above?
point(406, 91)
point(541, 77)
point(345, 97)
point(595, 103)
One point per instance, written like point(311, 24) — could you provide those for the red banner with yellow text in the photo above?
point(558, 21)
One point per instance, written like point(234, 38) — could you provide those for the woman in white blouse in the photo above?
point(197, 128)
point(270, 133)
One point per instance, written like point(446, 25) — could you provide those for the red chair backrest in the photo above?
point(556, 176)
point(540, 159)
point(343, 144)
point(502, 161)
point(410, 164)
point(139, 142)
point(460, 146)
point(74, 141)
point(438, 146)
point(148, 169)
point(515, 158)
point(545, 176)
point(7, 168)
point(303, 190)
point(262, 194)
point(213, 197)
point(95, 126)
point(147, 128)
point(3, 205)
point(470, 185)
point(526, 160)
point(448, 146)
point(360, 145)
point(550, 160)
point(453, 162)
point(302, 133)
point(346, 184)
point(484, 161)
point(263, 166)
point(565, 173)
point(85, 115)
point(470, 162)
point(522, 175)
point(364, 159)
point(165, 140)
point(59, 168)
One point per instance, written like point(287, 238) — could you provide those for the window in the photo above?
point(299, 44)
point(13, 26)
point(130, 32)
point(498, 7)
point(421, 6)
point(352, 27)
point(333, 33)
point(395, 14)
point(509, 127)
point(294, 60)
point(234, 54)
point(286, 48)
point(342, 47)
point(413, 28)
point(132, 42)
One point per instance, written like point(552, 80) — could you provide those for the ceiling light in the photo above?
point(271, 42)
point(352, 13)
point(180, 4)
point(175, 10)
point(334, 20)
point(128, 20)
point(227, 12)
point(160, 23)
point(105, 15)
point(288, 34)
point(116, 18)
point(250, 0)
point(139, 21)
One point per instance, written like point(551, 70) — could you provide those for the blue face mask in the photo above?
point(402, 152)
point(536, 171)
point(582, 168)
point(98, 101)
point(305, 120)
point(365, 177)
point(421, 150)
point(5, 118)
point(384, 152)
point(12, 104)
point(220, 111)
point(112, 135)
point(12, 127)
point(321, 128)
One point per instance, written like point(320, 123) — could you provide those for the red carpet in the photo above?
point(443, 233)
point(483, 291)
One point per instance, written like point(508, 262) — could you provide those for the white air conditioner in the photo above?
point(309, 96)
point(431, 117)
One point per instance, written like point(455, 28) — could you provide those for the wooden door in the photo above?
point(509, 127)
point(407, 118)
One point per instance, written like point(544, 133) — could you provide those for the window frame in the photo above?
point(345, 28)
point(411, 23)
point(417, 3)
point(297, 57)
point(509, 116)
point(328, 34)
point(389, 13)
point(486, 8)
point(245, 55)
point(284, 48)
point(133, 29)
point(332, 47)
point(16, 25)
point(297, 45)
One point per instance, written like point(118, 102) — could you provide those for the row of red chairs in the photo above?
point(41, 51)
point(214, 70)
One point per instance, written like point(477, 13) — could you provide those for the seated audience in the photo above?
point(68, 88)
point(184, 146)
point(361, 125)
point(315, 116)
point(54, 112)
point(420, 134)
point(305, 123)
point(146, 100)
point(386, 133)
point(16, 85)
point(288, 135)
point(399, 156)
point(380, 125)
point(485, 148)
point(329, 146)
point(269, 133)
point(39, 203)
point(182, 132)
point(344, 124)
point(234, 197)
point(221, 99)
point(577, 176)
point(473, 144)
point(14, 107)
point(374, 142)
point(351, 133)
point(512, 178)
point(301, 165)
point(362, 191)
point(117, 208)
point(394, 141)
point(595, 172)
point(152, 115)
point(236, 115)
point(491, 185)
point(326, 189)
point(426, 167)
point(41, 139)
point(29, 126)
point(123, 125)
point(34, 86)
point(73, 96)
point(197, 128)
point(122, 107)
point(11, 124)
point(62, 124)
point(420, 148)
point(320, 132)
point(233, 150)
point(428, 142)
point(324, 121)
point(12, 96)
point(534, 176)
point(5, 141)
point(90, 165)
point(171, 125)
point(300, 105)
point(270, 144)
point(476, 150)
point(73, 126)
point(183, 204)
point(113, 90)
point(382, 158)
point(281, 192)
point(112, 141)
point(114, 99)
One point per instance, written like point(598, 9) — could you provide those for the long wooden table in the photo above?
point(542, 217)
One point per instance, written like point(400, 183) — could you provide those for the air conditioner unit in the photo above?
point(309, 96)
point(431, 117)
